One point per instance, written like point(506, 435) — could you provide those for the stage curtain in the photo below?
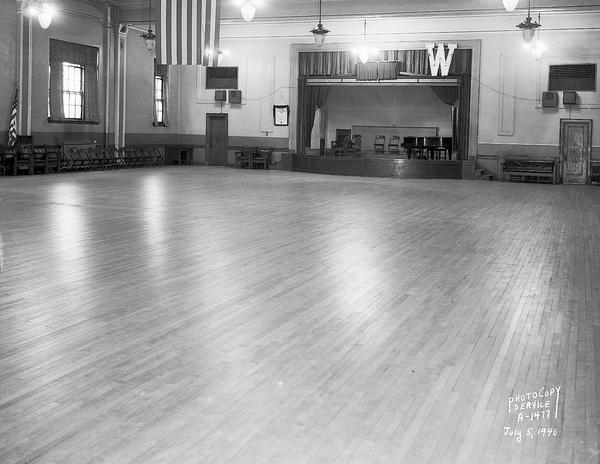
point(341, 63)
point(55, 100)
point(448, 95)
point(387, 70)
point(464, 108)
point(408, 61)
point(366, 71)
point(85, 56)
point(309, 98)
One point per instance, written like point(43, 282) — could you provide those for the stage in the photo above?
point(383, 166)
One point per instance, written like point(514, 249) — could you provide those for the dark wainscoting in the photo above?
point(379, 167)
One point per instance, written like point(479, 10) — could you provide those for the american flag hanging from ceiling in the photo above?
point(188, 32)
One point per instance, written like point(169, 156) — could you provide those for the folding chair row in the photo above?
point(78, 159)
point(25, 157)
point(82, 159)
point(142, 156)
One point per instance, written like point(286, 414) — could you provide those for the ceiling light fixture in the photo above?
point(248, 8)
point(365, 51)
point(538, 48)
point(510, 5)
point(149, 36)
point(528, 26)
point(319, 32)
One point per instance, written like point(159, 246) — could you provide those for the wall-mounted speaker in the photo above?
point(221, 95)
point(549, 100)
point(235, 97)
point(569, 98)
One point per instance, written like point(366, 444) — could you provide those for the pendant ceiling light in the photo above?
point(365, 51)
point(538, 48)
point(528, 26)
point(149, 36)
point(510, 5)
point(319, 32)
point(248, 8)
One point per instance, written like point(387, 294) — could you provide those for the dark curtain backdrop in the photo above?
point(309, 98)
point(373, 71)
point(327, 63)
point(61, 52)
point(389, 65)
point(409, 61)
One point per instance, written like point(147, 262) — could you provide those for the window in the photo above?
point(73, 90)
point(73, 83)
point(161, 90)
point(159, 101)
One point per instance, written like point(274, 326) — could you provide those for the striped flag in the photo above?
point(188, 32)
point(12, 125)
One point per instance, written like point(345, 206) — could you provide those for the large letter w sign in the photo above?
point(439, 60)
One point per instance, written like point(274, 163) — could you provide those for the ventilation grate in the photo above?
point(578, 77)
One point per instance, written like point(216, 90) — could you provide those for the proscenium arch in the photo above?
point(473, 45)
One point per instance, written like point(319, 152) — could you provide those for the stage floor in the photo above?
point(213, 315)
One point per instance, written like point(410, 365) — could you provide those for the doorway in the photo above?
point(575, 149)
point(216, 139)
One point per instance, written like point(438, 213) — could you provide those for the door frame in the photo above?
point(563, 150)
point(209, 129)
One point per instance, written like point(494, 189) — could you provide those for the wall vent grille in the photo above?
point(577, 77)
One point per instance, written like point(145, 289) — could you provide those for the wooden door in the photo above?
point(216, 139)
point(575, 149)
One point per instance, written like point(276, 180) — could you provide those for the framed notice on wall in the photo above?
point(280, 115)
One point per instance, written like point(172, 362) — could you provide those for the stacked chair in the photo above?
point(26, 158)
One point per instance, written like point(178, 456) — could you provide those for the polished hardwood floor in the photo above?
point(213, 315)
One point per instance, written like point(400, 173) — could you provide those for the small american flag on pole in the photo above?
point(188, 32)
point(12, 125)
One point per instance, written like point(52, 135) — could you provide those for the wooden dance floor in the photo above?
point(214, 315)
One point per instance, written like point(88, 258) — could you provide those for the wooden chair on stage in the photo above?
point(394, 145)
point(419, 149)
point(354, 147)
point(379, 146)
point(436, 148)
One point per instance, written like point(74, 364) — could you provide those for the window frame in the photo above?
point(159, 101)
point(67, 107)
point(161, 74)
point(85, 57)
